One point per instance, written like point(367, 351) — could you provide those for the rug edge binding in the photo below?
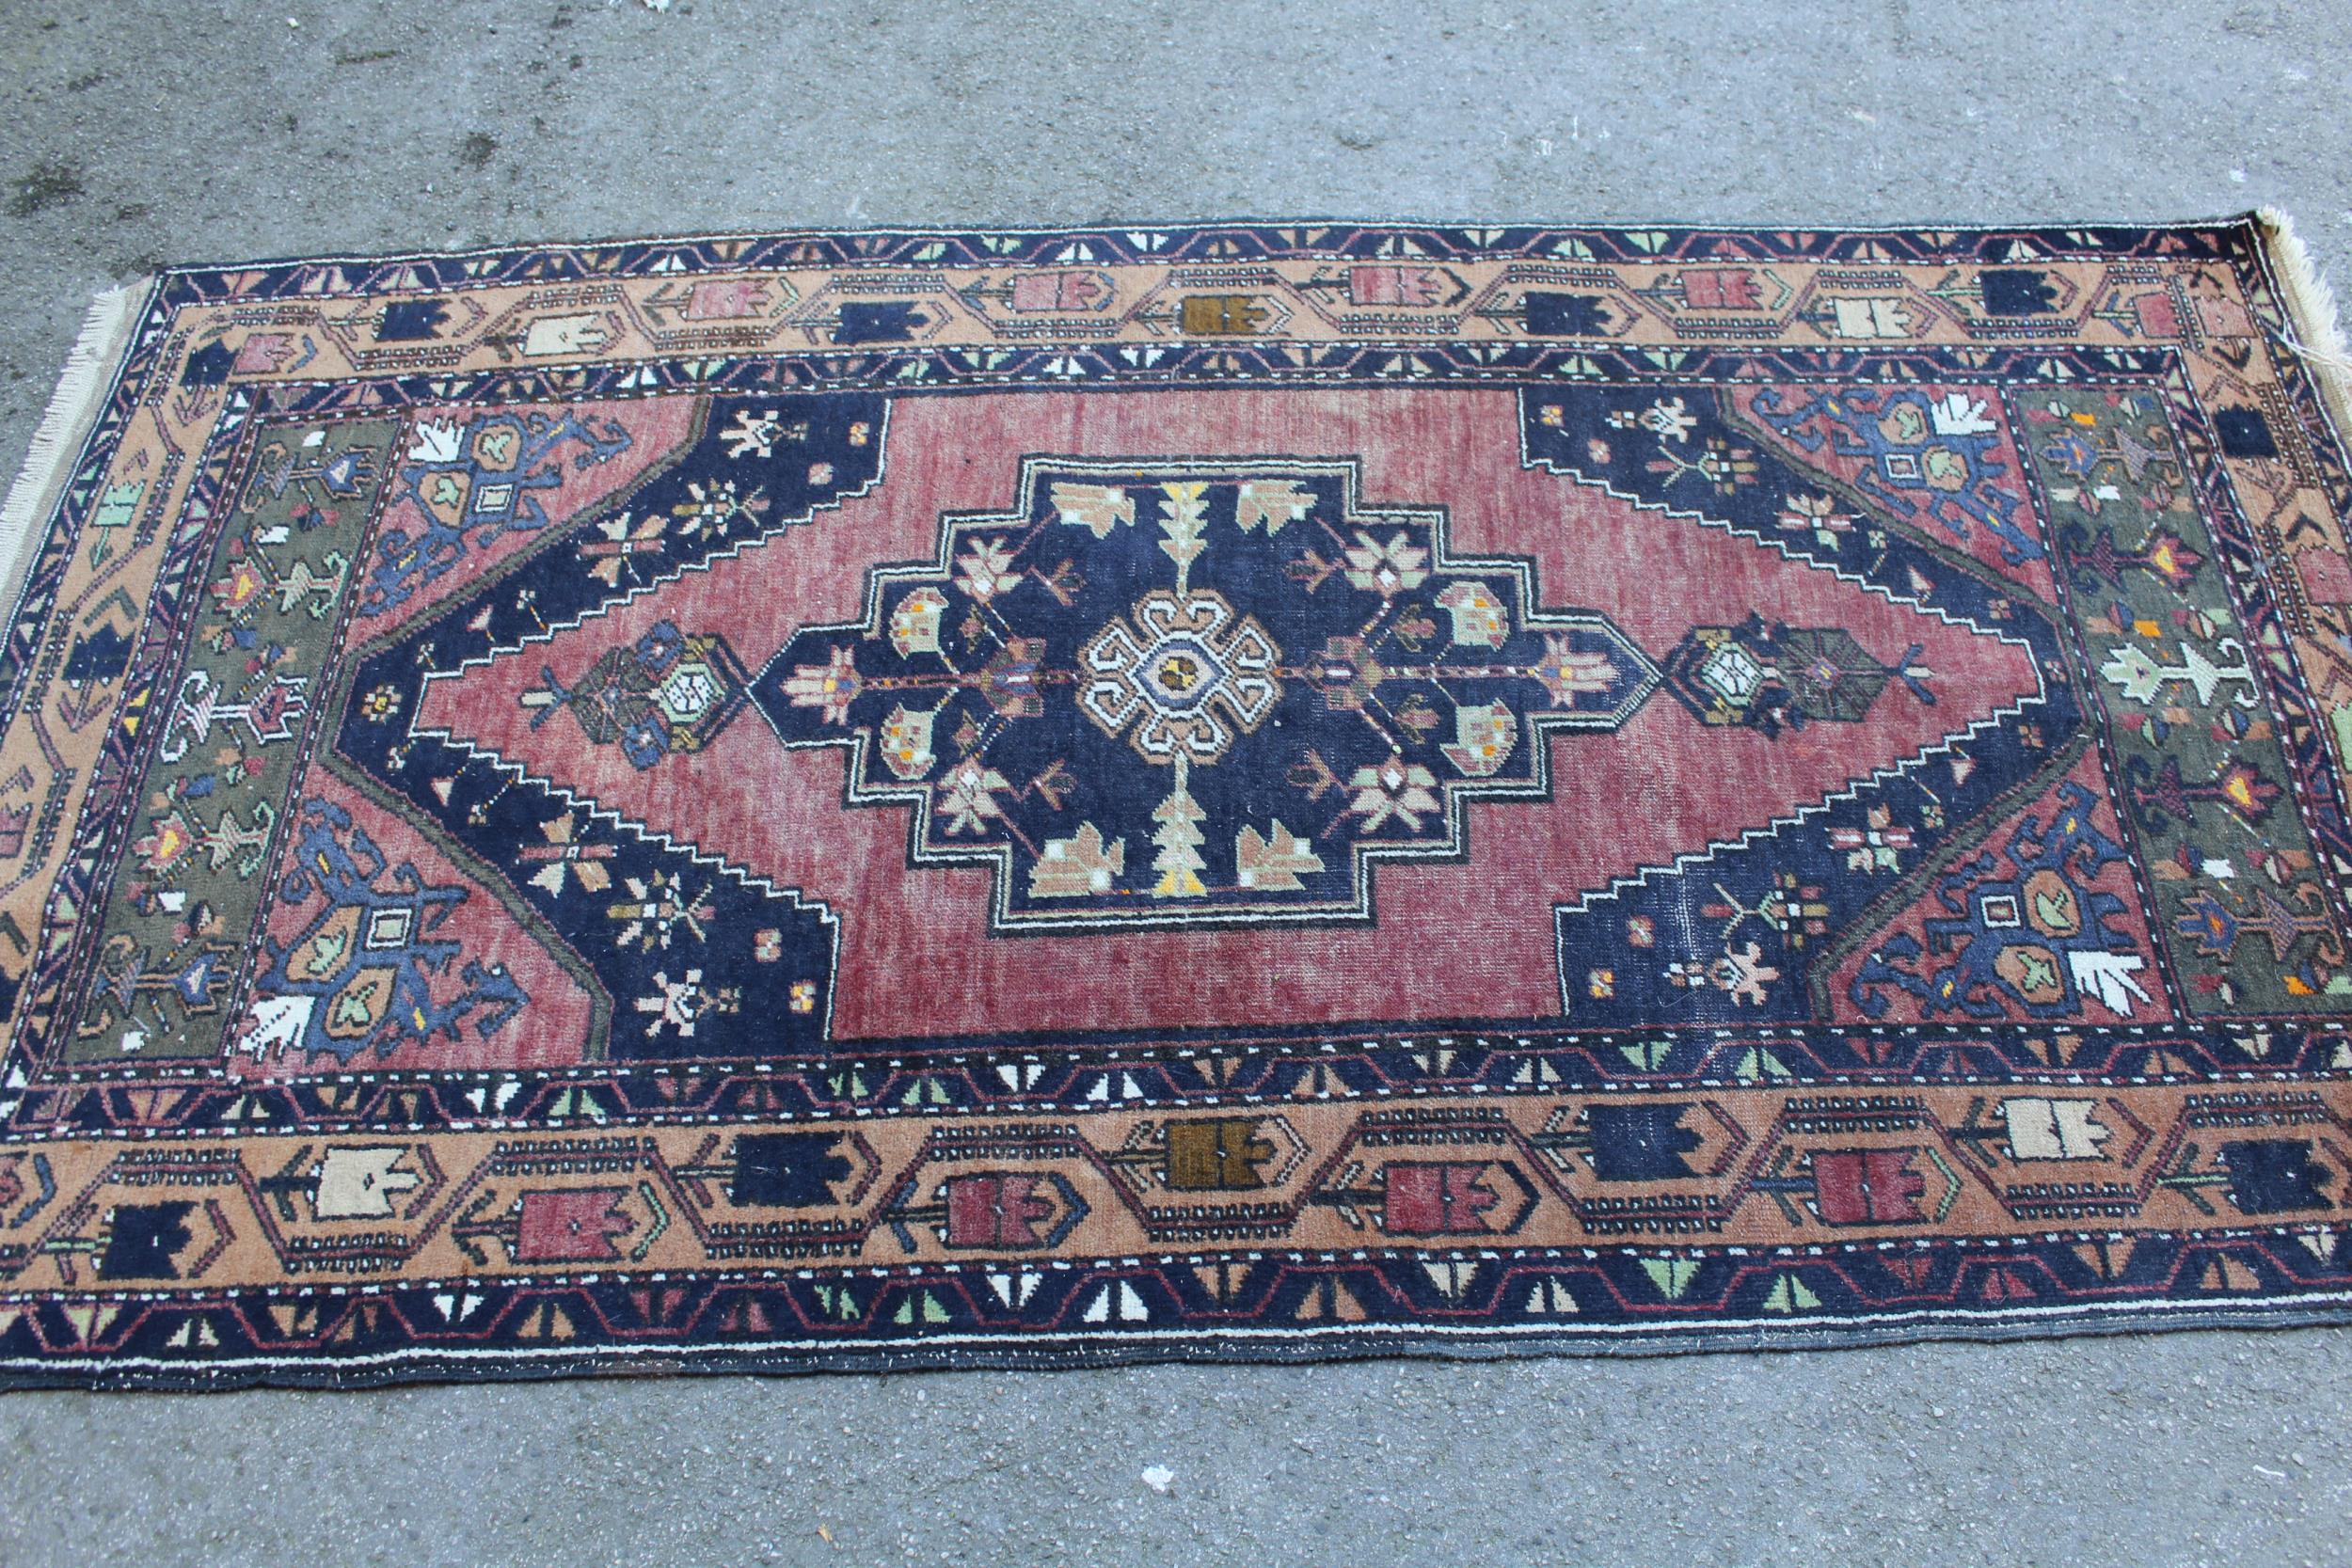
point(1081, 1354)
point(82, 386)
point(2316, 333)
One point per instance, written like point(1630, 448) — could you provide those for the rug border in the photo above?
point(1106, 1349)
point(1939, 236)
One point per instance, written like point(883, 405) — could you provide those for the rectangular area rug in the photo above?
point(1257, 791)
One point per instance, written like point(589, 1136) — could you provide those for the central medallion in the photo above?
point(1179, 676)
point(1170, 691)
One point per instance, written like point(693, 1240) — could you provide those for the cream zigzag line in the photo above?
point(1877, 776)
point(743, 875)
point(549, 633)
point(499, 763)
point(1851, 791)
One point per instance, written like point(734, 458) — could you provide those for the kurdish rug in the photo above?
point(1257, 791)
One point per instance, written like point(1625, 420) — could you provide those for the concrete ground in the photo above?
point(143, 132)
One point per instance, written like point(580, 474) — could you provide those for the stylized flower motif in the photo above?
point(435, 441)
point(1567, 672)
point(986, 570)
point(1817, 512)
point(360, 1183)
point(1395, 788)
point(804, 996)
point(615, 543)
point(1958, 414)
point(1347, 673)
point(1904, 423)
point(1878, 846)
point(1485, 736)
point(1415, 287)
point(749, 435)
point(1479, 617)
point(914, 625)
point(380, 704)
point(2246, 790)
point(1060, 290)
point(968, 797)
point(1725, 466)
point(1742, 975)
point(2072, 452)
point(1721, 288)
point(262, 352)
point(996, 1209)
point(1669, 420)
point(565, 859)
point(1387, 569)
point(1078, 865)
point(241, 587)
point(657, 910)
point(2169, 556)
point(680, 1006)
point(569, 1226)
point(1096, 508)
point(714, 507)
point(727, 299)
point(833, 685)
point(906, 741)
point(2138, 676)
point(167, 842)
point(2212, 924)
point(2108, 977)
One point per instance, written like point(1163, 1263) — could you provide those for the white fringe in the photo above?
point(82, 387)
point(2312, 332)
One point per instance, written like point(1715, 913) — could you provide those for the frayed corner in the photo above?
point(2314, 333)
point(82, 388)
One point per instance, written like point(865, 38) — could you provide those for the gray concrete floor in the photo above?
point(143, 132)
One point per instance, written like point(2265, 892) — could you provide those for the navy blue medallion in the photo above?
point(1163, 692)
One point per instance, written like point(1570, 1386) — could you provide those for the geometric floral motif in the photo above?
point(669, 692)
point(368, 970)
point(2023, 932)
point(474, 485)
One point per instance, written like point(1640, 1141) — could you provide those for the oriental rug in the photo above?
point(1254, 792)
